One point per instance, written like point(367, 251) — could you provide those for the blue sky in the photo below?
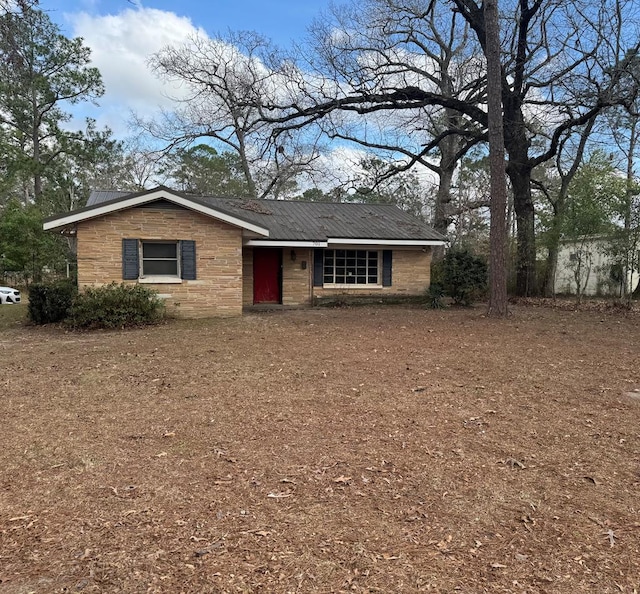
point(281, 20)
point(123, 35)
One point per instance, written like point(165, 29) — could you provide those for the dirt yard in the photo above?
point(348, 450)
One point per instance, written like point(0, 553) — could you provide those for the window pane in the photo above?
point(160, 267)
point(159, 250)
point(351, 267)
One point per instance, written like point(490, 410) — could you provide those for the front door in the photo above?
point(267, 264)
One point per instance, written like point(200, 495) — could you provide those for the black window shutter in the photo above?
point(386, 268)
point(188, 259)
point(318, 267)
point(130, 264)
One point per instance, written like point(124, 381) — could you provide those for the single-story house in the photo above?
point(211, 256)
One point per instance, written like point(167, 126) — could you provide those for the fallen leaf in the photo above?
point(611, 536)
point(342, 479)
point(279, 495)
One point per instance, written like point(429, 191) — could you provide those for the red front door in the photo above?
point(267, 263)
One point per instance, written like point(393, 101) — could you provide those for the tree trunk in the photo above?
point(498, 302)
point(520, 176)
point(441, 215)
point(35, 139)
point(629, 191)
point(246, 169)
point(549, 289)
point(549, 286)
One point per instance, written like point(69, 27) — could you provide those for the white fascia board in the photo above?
point(276, 243)
point(98, 211)
point(391, 242)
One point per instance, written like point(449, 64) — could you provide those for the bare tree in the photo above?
point(368, 48)
point(571, 151)
point(218, 75)
point(562, 64)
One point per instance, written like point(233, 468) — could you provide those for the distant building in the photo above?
point(588, 265)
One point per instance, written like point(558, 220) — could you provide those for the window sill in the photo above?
point(327, 286)
point(160, 280)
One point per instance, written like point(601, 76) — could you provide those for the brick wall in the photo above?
point(296, 281)
point(218, 288)
point(247, 277)
point(411, 275)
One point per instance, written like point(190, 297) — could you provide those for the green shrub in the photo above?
point(115, 306)
point(49, 303)
point(464, 276)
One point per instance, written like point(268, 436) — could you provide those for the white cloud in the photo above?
point(121, 45)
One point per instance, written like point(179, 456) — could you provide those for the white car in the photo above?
point(9, 295)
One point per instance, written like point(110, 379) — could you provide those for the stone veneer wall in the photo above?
point(296, 281)
point(410, 275)
point(217, 290)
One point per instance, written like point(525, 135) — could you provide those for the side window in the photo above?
point(159, 258)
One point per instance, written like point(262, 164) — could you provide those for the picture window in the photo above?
point(351, 267)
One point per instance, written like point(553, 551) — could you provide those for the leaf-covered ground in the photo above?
point(349, 450)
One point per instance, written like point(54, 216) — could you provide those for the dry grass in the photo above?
point(12, 316)
point(356, 450)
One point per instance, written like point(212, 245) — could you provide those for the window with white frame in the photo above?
point(160, 258)
point(351, 267)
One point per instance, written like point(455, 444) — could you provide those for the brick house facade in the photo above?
point(214, 257)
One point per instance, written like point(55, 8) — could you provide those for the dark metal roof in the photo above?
point(99, 196)
point(291, 220)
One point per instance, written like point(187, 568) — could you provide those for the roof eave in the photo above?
point(387, 242)
point(133, 200)
point(299, 243)
point(337, 241)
